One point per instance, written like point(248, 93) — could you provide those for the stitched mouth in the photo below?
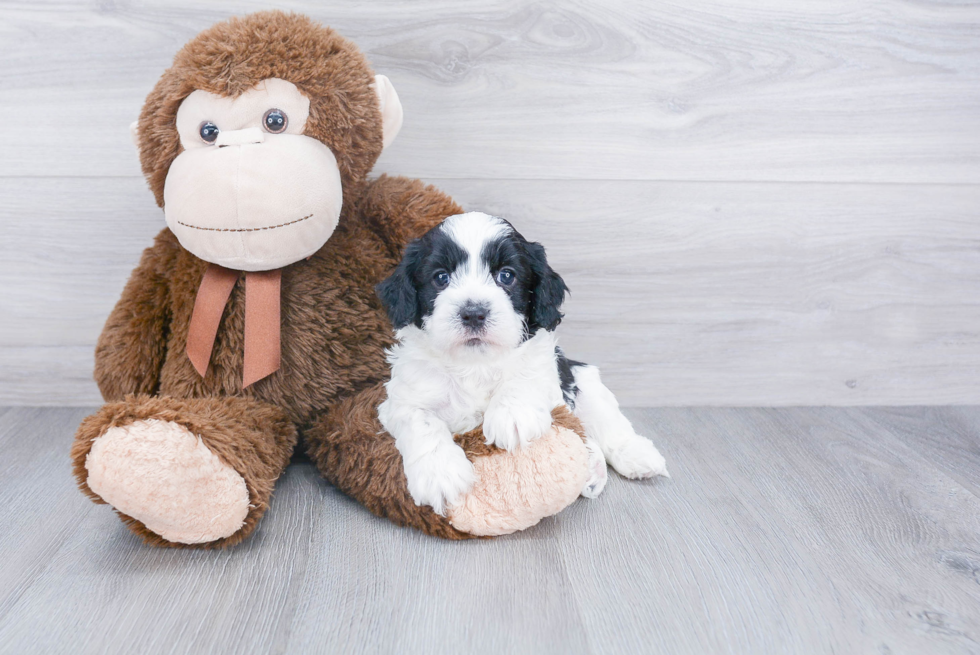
point(244, 229)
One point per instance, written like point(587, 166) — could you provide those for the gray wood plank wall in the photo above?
point(754, 202)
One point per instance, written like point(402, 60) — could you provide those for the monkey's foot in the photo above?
point(161, 474)
point(515, 490)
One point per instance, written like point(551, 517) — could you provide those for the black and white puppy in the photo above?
point(474, 306)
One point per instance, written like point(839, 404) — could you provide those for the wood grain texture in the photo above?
point(756, 203)
point(797, 530)
point(869, 91)
point(790, 531)
point(947, 436)
point(40, 375)
point(684, 293)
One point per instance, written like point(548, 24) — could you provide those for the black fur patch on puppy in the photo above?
point(409, 293)
point(536, 293)
point(539, 291)
point(567, 377)
point(549, 292)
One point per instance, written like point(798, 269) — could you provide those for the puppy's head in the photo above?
point(474, 285)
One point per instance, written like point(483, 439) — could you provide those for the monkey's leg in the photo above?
point(184, 472)
point(514, 490)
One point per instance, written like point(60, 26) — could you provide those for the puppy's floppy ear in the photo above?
point(397, 292)
point(548, 292)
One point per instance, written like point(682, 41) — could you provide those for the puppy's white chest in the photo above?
point(468, 400)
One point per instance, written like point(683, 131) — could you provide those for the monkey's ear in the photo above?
point(134, 133)
point(391, 108)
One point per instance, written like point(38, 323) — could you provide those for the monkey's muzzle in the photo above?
point(254, 203)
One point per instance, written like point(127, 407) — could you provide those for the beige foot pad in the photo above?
point(515, 490)
point(161, 474)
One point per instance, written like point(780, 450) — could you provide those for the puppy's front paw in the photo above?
point(638, 458)
point(440, 478)
point(509, 424)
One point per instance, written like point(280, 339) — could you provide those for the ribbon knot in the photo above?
point(262, 346)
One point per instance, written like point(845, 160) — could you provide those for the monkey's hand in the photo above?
point(133, 343)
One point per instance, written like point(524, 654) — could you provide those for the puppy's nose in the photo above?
point(473, 315)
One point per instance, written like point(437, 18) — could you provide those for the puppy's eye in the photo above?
point(506, 277)
point(275, 121)
point(209, 132)
point(440, 279)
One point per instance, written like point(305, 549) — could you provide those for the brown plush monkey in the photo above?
point(251, 323)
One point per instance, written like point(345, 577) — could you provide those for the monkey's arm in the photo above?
point(401, 209)
point(131, 348)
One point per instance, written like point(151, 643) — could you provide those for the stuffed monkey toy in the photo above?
point(251, 325)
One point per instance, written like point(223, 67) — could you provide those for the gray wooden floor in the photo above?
point(789, 530)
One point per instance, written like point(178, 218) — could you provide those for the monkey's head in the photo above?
point(254, 135)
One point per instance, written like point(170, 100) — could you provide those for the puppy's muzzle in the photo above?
point(473, 316)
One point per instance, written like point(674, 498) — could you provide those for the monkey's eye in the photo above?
point(209, 132)
point(440, 279)
point(506, 277)
point(275, 121)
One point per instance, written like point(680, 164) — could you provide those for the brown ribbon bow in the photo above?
point(261, 320)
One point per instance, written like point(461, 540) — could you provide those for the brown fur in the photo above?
point(233, 56)
point(333, 328)
point(253, 438)
point(355, 454)
point(334, 333)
